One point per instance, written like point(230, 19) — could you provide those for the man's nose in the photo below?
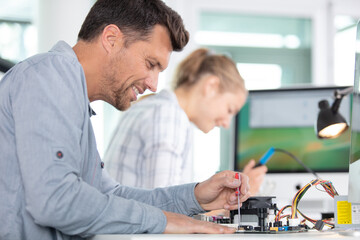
point(152, 81)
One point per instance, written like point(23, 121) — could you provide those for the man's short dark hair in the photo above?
point(136, 19)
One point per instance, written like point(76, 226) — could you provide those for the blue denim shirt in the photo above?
point(52, 185)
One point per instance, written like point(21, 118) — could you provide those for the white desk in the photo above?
point(311, 235)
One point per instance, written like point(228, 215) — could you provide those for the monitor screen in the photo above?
point(285, 119)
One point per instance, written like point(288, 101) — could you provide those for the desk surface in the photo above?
point(330, 234)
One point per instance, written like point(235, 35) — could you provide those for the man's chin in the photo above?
point(123, 106)
point(124, 103)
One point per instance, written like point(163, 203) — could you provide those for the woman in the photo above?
point(152, 145)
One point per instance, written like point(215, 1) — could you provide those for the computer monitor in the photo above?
point(285, 119)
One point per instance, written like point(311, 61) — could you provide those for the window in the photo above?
point(18, 33)
point(270, 51)
point(344, 49)
point(260, 76)
point(19, 40)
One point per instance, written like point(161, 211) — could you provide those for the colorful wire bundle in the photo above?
point(278, 216)
point(328, 187)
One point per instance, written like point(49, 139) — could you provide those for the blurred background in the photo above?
point(275, 43)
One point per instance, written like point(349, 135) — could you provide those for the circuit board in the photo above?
point(261, 215)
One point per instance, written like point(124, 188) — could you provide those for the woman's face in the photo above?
point(218, 109)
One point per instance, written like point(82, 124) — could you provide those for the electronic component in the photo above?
point(255, 212)
point(347, 215)
point(261, 215)
point(319, 225)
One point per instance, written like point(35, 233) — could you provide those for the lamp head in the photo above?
point(330, 123)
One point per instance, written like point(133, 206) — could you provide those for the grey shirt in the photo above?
point(52, 185)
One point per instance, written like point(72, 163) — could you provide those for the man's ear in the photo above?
point(211, 86)
point(111, 37)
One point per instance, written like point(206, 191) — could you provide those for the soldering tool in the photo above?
point(265, 157)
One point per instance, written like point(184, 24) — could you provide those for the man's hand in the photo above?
point(256, 176)
point(178, 223)
point(219, 191)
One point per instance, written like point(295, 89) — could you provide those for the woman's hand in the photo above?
point(256, 176)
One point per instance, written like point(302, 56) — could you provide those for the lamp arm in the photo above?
point(335, 106)
point(342, 93)
point(339, 94)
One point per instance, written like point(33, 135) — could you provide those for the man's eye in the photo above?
point(151, 65)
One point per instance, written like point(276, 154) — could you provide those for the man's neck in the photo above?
point(90, 58)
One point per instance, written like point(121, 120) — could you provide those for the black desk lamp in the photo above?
point(330, 123)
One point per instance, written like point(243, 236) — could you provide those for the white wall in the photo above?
point(60, 20)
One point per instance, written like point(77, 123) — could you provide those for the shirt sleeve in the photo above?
point(49, 121)
point(165, 136)
point(179, 199)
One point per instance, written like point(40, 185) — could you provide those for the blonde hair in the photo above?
point(201, 62)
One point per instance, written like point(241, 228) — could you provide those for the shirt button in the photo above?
point(59, 154)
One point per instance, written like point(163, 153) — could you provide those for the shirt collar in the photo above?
point(91, 111)
point(64, 48)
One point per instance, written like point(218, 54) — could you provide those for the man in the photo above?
point(51, 180)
